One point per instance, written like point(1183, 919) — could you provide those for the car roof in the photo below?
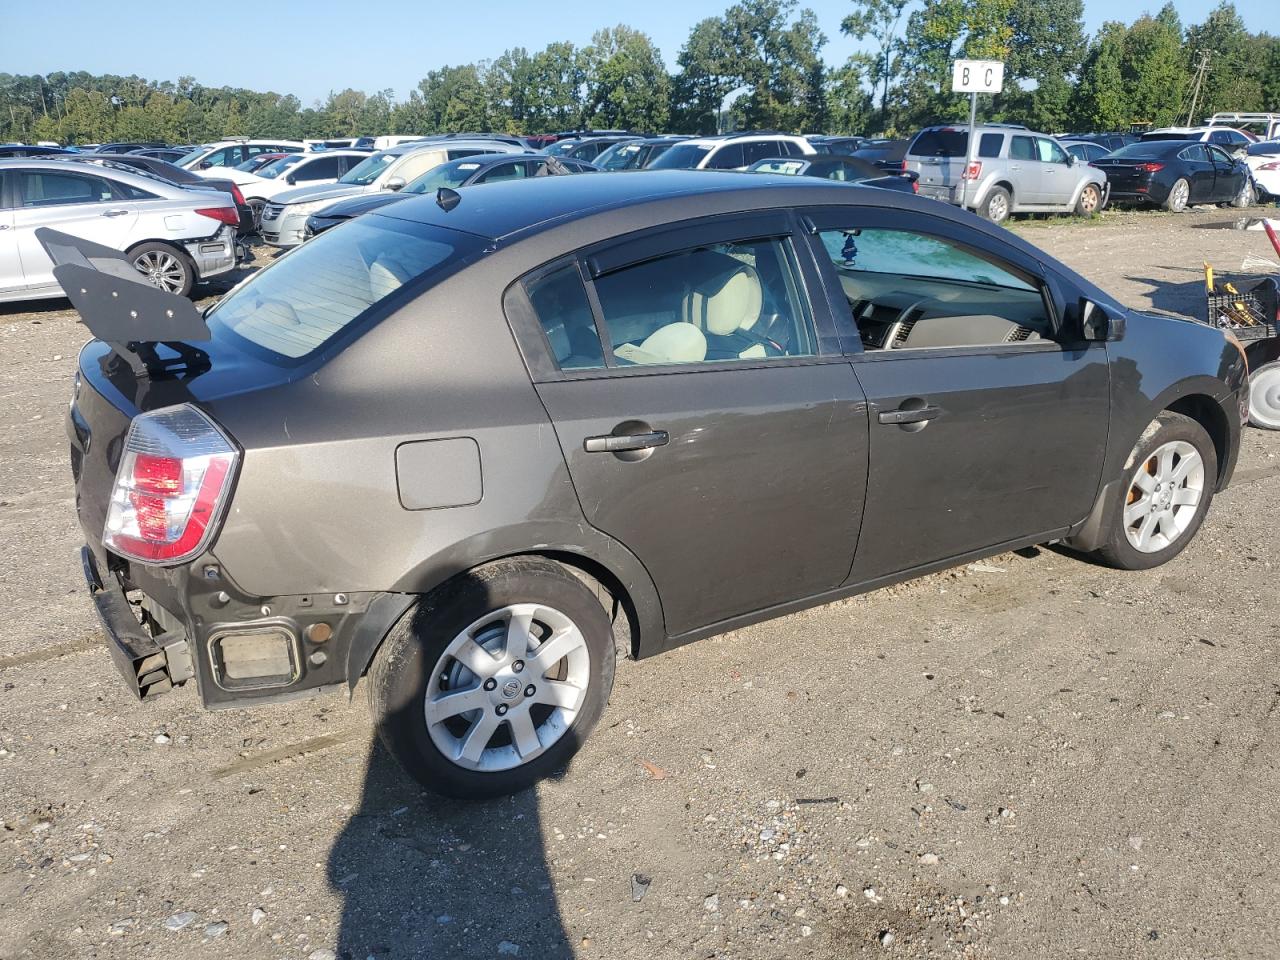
point(109, 169)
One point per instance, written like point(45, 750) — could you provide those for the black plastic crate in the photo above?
point(1255, 300)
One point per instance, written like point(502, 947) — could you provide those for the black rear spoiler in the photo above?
point(122, 308)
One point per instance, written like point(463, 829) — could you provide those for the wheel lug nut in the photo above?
point(529, 691)
point(491, 684)
point(502, 709)
point(518, 666)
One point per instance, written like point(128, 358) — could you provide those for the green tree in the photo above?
point(1047, 48)
point(627, 84)
point(708, 74)
point(1101, 98)
point(555, 93)
point(454, 100)
point(1237, 73)
point(880, 20)
point(778, 61)
point(1154, 72)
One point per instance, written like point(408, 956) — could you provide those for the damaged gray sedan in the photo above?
point(473, 447)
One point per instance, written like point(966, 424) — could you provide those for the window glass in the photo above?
point(789, 167)
point(1219, 156)
point(728, 301)
point(1196, 154)
point(946, 142)
point(761, 150)
point(989, 144)
point(560, 302)
point(1022, 148)
point(55, 189)
point(301, 301)
point(728, 157)
point(254, 149)
point(912, 290)
point(325, 168)
point(368, 169)
point(134, 193)
point(505, 171)
point(681, 156)
point(1049, 152)
point(226, 157)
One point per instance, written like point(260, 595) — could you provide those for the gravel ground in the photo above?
point(1029, 757)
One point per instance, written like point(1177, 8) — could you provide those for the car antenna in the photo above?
point(447, 199)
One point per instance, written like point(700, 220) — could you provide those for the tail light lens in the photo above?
point(171, 488)
point(227, 215)
point(1150, 167)
point(1273, 165)
point(236, 195)
point(973, 171)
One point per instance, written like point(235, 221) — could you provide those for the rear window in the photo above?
point(683, 156)
point(307, 298)
point(1137, 151)
point(940, 143)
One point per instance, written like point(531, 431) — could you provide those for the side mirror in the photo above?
point(291, 179)
point(395, 183)
point(1099, 323)
point(206, 164)
point(1072, 160)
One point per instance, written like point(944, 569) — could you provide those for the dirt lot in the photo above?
point(1028, 758)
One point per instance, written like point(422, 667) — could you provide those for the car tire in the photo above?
point(1264, 396)
point(1246, 196)
point(462, 641)
point(1178, 196)
point(1089, 202)
point(165, 267)
point(256, 207)
point(996, 205)
point(1163, 495)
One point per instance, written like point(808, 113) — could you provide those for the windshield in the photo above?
point(561, 147)
point(453, 174)
point(277, 167)
point(193, 156)
point(940, 143)
point(302, 301)
point(367, 171)
point(621, 156)
point(789, 167)
point(683, 156)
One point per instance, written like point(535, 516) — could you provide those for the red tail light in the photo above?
point(171, 487)
point(227, 215)
point(904, 164)
point(236, 195)
point(1150, 167)
point(1273, 165)
point(973, 171)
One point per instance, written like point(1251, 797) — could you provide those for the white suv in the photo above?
point(232, 153)
point(732, 151)
point(173, 235)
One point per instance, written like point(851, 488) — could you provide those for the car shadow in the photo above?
point(1187, 299)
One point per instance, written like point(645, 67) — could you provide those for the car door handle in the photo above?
point(613, 443)
point(909, 415)
point(114, 213)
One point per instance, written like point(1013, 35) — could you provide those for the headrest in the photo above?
point(724, 294)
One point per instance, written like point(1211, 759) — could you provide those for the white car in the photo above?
point(1228, 138)
point(232, 153)
point(731, 151)
point(175, 236)
point(287, 172)
point(1263, 161)
point(285, 218)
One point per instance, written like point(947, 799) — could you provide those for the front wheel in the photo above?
point(165, 267)
point(495, 679)
point(1090, 201)
point(1168, 486)
point(256, 207)
point(1246, 195)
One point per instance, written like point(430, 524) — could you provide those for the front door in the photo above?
point(1200, 173)
point(81, 204)
point(708, 431)
point(11, 277)
point(1228, 175)
point(1057, 180)
point(988, 424)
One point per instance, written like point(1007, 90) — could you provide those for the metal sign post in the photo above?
point(974, 77)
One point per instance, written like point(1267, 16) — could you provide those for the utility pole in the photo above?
point(1202, 70)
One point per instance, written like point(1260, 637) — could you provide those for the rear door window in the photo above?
point(559, 301)
point(60, 189)
point(1022, 148)
point(763, 149)
point(728, 157)
point(324, 168)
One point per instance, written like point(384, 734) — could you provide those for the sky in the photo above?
point(309, 49)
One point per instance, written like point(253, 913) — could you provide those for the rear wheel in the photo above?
point(165, 267)
point(1168, 486)
point(494, 680)
point(996, 206)
point(1179, 194)
point(1090, 201)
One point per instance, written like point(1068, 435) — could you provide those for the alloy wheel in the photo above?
point(998, 208)
point(1164, 495)
point(162, 270)
point(1089, 200)
point(508, 687)
point(1264, 397)
point(1181, 191)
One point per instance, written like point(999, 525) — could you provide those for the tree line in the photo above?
point(758, 65)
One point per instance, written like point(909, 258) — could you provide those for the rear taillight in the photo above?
point(1150, 167)
point(236, 195)
point(973, 171)
point(171, 488)
point(1273, 165)
point(227, 215)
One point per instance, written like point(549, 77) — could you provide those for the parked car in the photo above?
point(176, 175)
point(387, 142)
point(1263, 160)
point(176, 237)
point(1084, 150)
point(1176, 174)
point(1228, 138)
point(609, 411)
point(11, 151)
point(635, 154)
point(844, 146)
point(1015, 171)
point(284, 218)
point(454, 175)
point(587, 149)
point(1111, 141)
point(168, 154)
point(885, 154)
point(1266, 126)
point(290, 171)
point(735, 151)
point(840, 169)
point(124, 146)
point(231, 153)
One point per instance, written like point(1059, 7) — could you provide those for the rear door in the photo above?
point(1024, 170)
point(320, 170)
point(988, 417)
point(11, 276)
point(80, 204)
point(707, 417)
